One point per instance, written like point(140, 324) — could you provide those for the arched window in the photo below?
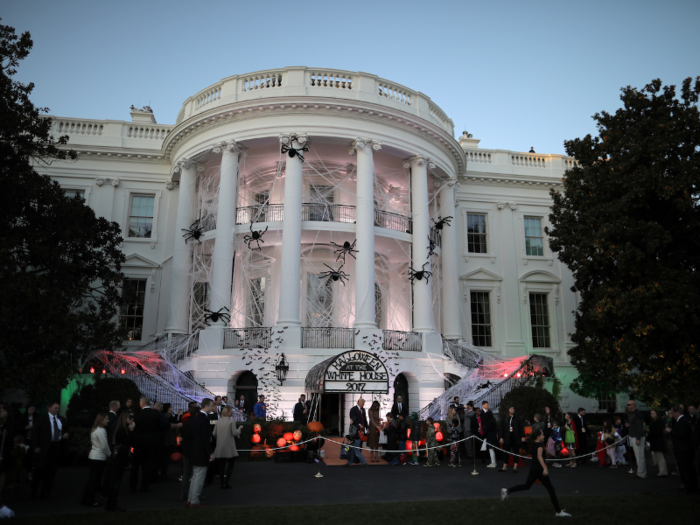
point(401, 389)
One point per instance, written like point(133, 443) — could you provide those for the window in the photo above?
point(476, 233)
point(539, 319)
point(141, 216)
point(256, 308)
point(607, 402)
point(533, 236)
point(319, 299)
point(481, 318)
point(131, 310)
point(71, 194)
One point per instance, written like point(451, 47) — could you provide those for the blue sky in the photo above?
point(515, 74)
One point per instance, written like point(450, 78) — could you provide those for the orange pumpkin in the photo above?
point(255, 438)
point(439, 436)
point(528, 431)
point(288, 436)
point(409, 445)
point(297, 435)
point(314, 426)
point(257, 428)
point(281, 442)
point(294, 448)
point(437, 427)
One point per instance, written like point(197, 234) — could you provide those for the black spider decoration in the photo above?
point(195, 231)
point(255, 236)
point(294, 152)
point(345, 249)
point(431, 247)
point(334, 275)
point(441, 222)
point(214, 317)
point(420, 274)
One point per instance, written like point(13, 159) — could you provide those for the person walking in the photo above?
point(358, 422)
point(635, 427)
point(98, 460)
point(225, 452)
point(121, 443)
point(682, 437)
point(490, 433)
point(538, 471)
point(201, 453)
point(511, 436)
point(374, 429)
point(657, 443)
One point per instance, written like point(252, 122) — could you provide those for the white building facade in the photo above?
point(314, 212)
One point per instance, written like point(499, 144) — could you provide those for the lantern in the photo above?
point(288, 436)
point(255, 438)
point(104, 371)
point(439, 436)
point(281, 369)
point(517, 375)
point(421, 443)
point(123, 371)
point(528, 431)
point(409, 445)
point(257, 428)
point(505, 375)
point(314, 426)
point(437, 427)
point(92, 369)
point(179, 440)
point(176, 457)
point(281, 442)
point(408, 433)
point(364, 438)
point(297, 435)
point(294, 448)
point(564, 452)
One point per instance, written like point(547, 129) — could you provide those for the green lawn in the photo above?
point(598, 510)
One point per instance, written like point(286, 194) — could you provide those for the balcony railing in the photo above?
point(327, 337)
point(404, 341)
point(392, 221)
point(260, 213)
point(328, 212)
point(323, 213)
point(258, 337)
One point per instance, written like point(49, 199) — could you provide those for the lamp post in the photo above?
point(281, 369)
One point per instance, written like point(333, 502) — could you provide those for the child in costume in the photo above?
point(455, 460)
point(431, 443)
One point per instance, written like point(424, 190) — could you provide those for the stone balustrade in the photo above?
point(303, 81)
point(502, 162)
point(111, 133)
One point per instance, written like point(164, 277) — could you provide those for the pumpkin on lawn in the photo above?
point(314, 427)
point(281, 442)
point(297, 435)
point(257, 428)
point(288, 436)
point(255, 438)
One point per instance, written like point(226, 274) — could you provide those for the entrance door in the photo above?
point(331, 413)
point(401, 389)
point(247, 386)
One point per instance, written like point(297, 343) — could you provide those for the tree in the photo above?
point(628, 226)
point(95, 398)
point(528, 401)
point(60, 265)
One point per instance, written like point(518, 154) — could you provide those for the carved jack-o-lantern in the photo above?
point(297, 435)
point(257, 428)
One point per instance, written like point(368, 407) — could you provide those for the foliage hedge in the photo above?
point(95, 398)
point(528, 401)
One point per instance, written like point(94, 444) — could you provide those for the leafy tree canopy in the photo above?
point(628, 226)
point(59, 263)
point(95, 398)
point(528, 401)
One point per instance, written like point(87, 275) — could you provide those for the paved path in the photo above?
point(269, 483)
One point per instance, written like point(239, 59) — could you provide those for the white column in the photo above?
point(423, 320)
point(222, 260)
point(291, 238)
point(451, 326)
point(178, 318)
point(365, 314)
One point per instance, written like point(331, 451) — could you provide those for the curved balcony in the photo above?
point(316, 212)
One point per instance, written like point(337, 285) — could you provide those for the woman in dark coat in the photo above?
point(657, 443)
point(119, 460)
point(491, 434)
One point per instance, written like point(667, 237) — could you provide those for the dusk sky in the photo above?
point(514, 74)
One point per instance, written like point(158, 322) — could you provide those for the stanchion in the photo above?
point(474, 472)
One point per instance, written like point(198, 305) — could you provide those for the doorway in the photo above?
point(247, 386)
point(330, 412)
point(401, 389)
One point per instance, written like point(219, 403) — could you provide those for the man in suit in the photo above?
point(242, 405)
point(218, 405)
point(49, 433)
point(214, 415)
point(147, 439)
point(201, 451)
point(186, 432)
point(510, 436)
point(682, 437)
point(582, 435)
point(358, 423)
point(301, 409)
point(637, 437)
point(399, 408)
point(112, 425)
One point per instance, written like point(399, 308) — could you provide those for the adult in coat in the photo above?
point(682, 438)
point(511, 436)
point(301, 410)
point(47, 439)
point(201, 452)
point(491, 435)
point(657, 442)
point(225, 432)
point(147, 439)
point(400, 408)
point(467, 428)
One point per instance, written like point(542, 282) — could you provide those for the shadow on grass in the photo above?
point(601, 510)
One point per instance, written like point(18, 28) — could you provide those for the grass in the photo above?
point(598, 510)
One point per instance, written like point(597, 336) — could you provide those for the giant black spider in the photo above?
point(334, 275)
point(441, 222)
point(294, 151)
point(345, 249)
point(431, 246)
point(195, 231)
point(413, 274)
point(254, 236)
point(214, 317)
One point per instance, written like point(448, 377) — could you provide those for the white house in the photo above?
point(309, 205)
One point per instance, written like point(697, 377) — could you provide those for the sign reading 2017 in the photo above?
point(356, 371)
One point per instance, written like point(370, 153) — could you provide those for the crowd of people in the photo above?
point(142, 438)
